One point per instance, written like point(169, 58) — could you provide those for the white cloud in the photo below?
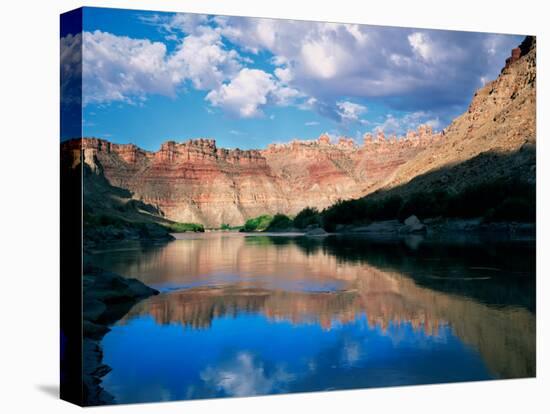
point(410, 121)
point(359, 35)
point(421, 45)
point(245, 94)
point(323, 59)
point(71, 69)
point(415, 69)
point(175, 24)
point(284, 74)
point(311, 123)
point(435, 123)
point(204, 60)
point(251, 89)
point(117, 68)
point(283, 95)
point(350, 111)
point(316, 64)
point(186, 22)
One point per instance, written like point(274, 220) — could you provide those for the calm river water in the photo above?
point(242, 315)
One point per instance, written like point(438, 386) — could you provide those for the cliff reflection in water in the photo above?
point(483, 292)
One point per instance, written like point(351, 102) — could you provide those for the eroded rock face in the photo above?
point(195, 181)
point(500, 124)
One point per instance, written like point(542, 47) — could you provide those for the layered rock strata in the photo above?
point(195, 181)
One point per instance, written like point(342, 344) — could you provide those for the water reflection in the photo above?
point(254, 315)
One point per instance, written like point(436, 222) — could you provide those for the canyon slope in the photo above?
point(195, 181)
point(494, 139)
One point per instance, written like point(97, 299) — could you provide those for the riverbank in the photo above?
point(116, 230)
point(438, 226)
point(441, 226)
point(107, 298)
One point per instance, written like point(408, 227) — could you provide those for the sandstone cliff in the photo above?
point(494, 139)
point(195, 181)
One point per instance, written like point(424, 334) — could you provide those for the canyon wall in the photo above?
point(494, 139)
point(195, 181)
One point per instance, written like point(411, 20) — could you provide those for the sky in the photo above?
point(149, 77)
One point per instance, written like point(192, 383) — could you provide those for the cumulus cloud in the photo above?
point(410, 69)
point(71, 69)
point(117, 68)
point(350, 111)
point(315, 65)
point(244, 94)
point(284, 74)
point(251, 89)
point(204, 60)
point(399, 125)
point(173, 25)
point(120, 68)
point(421, 45)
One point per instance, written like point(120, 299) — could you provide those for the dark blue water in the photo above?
point(241, 316)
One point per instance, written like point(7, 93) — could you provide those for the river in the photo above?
point(252, 314)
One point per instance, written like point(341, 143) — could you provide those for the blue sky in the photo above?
point(149, 77)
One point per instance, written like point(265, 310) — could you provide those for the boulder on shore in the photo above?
point(412, 225)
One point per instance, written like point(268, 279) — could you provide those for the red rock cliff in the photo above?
point(195, 181)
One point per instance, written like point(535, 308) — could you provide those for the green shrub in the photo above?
point(280, 222)
point(184, 227)
point(307, 217)
point(226, 226)
point(490, 198)
point(259, 223)
point(384, 209)
point(101, 220)
point(496, 201)
point(424, 205)
point(344, 212)
point(360, 211)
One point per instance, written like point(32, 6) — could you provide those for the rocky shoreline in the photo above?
point(145, 232)
point(107, 298)
point(438, 225)
point(430, 226)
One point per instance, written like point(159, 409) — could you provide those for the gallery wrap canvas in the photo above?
point(255, 206)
